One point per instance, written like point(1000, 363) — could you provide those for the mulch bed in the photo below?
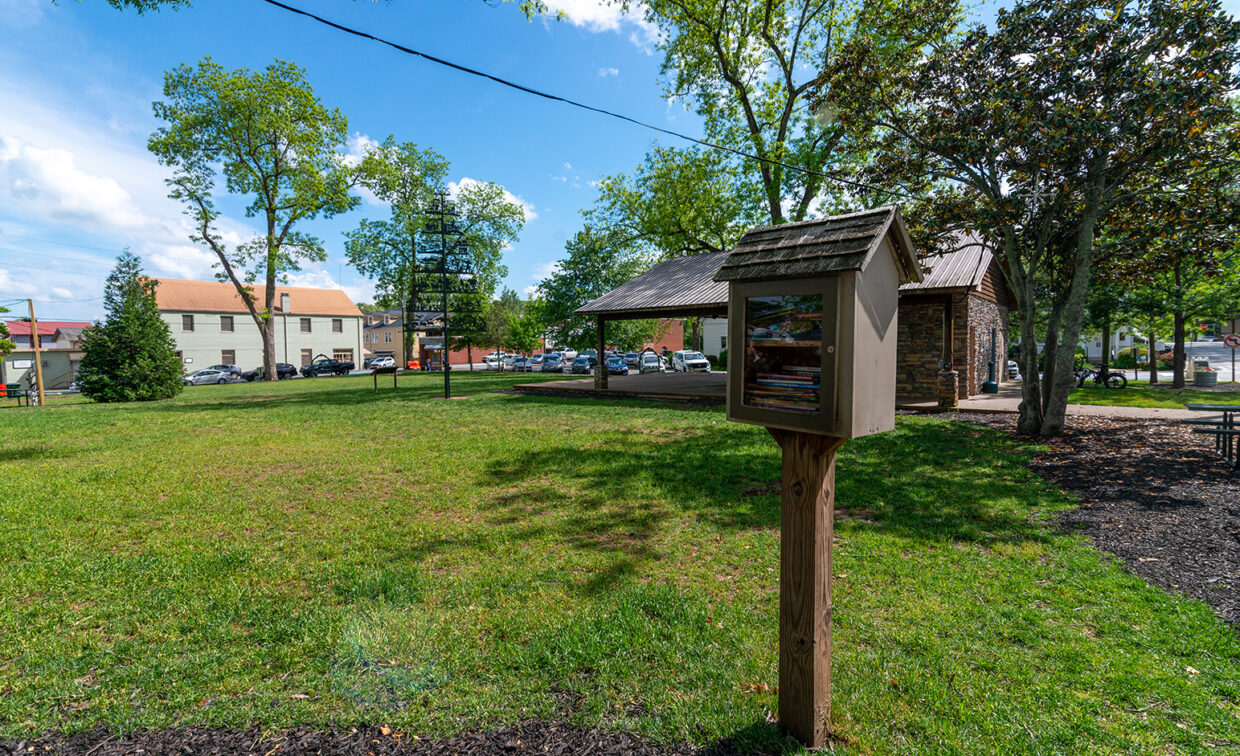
point(532, 737)
point(1154, 494)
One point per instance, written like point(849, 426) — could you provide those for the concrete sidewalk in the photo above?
point(1008, 400)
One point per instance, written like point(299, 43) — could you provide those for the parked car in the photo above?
point(208, 376)
point(283, 371)
point(568, 355)
point(521, 364)
point(383, 362)
point(509, 361)
point(690, 362)
point(230, 369)
point(632, 359)
point(552, 363)
point(617, 366)
point(326, 366)
point(536, 361)
point(1013, 370)
point(650, 363)
point(583, 364)
point(492, 361)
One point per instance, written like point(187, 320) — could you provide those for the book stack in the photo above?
point(793, 388)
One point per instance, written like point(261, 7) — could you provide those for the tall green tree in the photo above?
point(408, 179)
point(277, 147)
point(678, 202)
point(753, 69)
point(130, 356)
point(597, 262)
point(1033, 132)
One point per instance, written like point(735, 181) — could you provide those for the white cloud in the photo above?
point(603, 73)
point(568, 166)
point(321, 279)
point(530, 214)
point(559, 178)
point(532, 291)
point(47, 183)
point(546, 270)
point(604, 16)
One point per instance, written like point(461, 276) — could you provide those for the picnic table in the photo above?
point(15, 390)
point(1223, 428)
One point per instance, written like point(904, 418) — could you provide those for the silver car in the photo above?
point(203, 377)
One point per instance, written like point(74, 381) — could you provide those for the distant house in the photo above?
point(211, 324)
point(60, 352)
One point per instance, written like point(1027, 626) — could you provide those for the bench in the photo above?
point(1224, 429)
point(384, 370)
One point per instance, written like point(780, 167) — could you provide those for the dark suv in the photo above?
point(326, 366)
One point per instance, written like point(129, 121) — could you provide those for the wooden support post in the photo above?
point(806, 523)
point(600, 375)
point(38, 357)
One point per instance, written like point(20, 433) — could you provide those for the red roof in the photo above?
point(46, 327)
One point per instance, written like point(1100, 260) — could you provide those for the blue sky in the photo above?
point(77, 80)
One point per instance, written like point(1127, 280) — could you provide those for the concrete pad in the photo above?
point(660, 386)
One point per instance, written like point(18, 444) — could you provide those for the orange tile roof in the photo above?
point(221, 296)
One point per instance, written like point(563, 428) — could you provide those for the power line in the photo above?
point(545, 95)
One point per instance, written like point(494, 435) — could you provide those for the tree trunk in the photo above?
point(1153, 356)
point(1030, 418)
point(1069, 312)
point(469, 353)
point(1179, 359)
point(1106, 346)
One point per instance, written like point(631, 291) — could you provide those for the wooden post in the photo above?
point(38, 360)
point(600, 377)
point(806, 524)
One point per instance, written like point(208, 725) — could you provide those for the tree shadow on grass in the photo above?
point(927, 480)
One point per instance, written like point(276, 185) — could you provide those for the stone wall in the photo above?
point(919, 344)
point(974, 321)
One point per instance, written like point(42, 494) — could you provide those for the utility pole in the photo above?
point(38, 360)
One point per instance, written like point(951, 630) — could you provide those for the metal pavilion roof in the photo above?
point(960, 269)
point(682, 286)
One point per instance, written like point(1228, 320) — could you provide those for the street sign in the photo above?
point(1232, 340)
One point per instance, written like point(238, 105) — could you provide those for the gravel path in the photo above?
point(1155, 495)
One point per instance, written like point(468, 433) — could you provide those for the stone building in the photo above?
point(958, 314)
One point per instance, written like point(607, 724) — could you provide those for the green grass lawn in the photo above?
point(1141, 394)
point(313, 552)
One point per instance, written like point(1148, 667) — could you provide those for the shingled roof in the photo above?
point(837, 244)
point(682, 286)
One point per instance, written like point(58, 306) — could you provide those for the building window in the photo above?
point(387, 337)
point(305, 325)
point(723, 342)
point(187, 322)
point(306, 356)
point(337, 325)
point(342, 355)
point(226, 323)
point(228, 356)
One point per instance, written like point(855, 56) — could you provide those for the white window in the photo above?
point(187, 322)
point(337, 325)
point(305, 325)
point(387, 337)
point(226, 323)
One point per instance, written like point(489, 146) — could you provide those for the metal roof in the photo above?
point(836, 244)
point(680, 286)
point(962, 268)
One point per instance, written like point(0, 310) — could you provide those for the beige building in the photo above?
point(383, 334)
point(211, 324)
